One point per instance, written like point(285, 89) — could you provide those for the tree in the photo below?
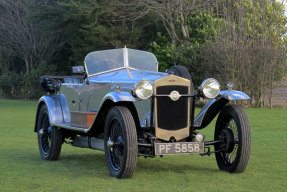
point(249, 46)
point(96, 25)
point(174, 15)
point(22, 38)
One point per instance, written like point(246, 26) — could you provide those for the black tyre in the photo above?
point(121, 148)
point(181, 71)
point(49, 138)
point(232, 127)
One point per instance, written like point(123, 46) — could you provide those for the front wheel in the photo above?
point(121, 148)
point(233, 129)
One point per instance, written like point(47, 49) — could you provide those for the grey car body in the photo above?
point(110, 80)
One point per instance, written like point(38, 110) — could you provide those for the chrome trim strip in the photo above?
point(133, 68)
point(126, 57)
point(112, 70)
point(72, 84)
point(106, 71)
point(183, 95)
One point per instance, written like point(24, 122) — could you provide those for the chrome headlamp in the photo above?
point(210, 88)
point(144, 89)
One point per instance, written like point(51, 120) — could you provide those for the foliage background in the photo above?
point(243, 41)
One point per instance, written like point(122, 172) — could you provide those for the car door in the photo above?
point(71, 90)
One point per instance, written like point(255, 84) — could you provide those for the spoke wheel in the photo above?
point(49, 138)
point(115, 144)
point(45, 134)
point(232, 128)
point(120, 142)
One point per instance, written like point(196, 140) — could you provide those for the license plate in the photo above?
point(178, 148)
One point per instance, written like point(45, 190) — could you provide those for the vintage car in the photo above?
point(121, 104)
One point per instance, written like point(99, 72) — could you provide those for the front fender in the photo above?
point(118, 96)
point(212, 107)
point(233, 95)
point(57, 108)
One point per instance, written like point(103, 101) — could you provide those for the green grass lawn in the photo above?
point(21, 168)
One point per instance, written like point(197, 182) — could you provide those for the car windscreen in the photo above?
point(142, 60)
point(101, 61)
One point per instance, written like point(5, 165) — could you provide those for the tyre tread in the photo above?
point(129, 165)
point(132, 159)
point(56, 143)
point(240, 164)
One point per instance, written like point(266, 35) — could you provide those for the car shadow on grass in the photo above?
point(176, 166)
point(86, 164)
point(95, 165)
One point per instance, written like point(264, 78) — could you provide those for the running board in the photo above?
point(71, 127)
point(89, 142)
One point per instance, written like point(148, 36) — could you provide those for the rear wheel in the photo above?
point(49, 137)
point(121, 148)
point(232, 128)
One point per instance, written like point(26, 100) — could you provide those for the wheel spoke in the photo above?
point(45, 137)
point(229, 158)
point(233, 127)
point(233, 154)
point(116, 151)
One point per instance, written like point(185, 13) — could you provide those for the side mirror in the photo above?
point(78, 69)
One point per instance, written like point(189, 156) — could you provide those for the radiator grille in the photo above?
point(172, 115)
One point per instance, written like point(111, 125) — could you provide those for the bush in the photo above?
point(162, 48)
point(10, 84)
point(31, 80)
point(187, 55)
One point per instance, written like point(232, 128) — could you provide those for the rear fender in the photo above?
point(212, 108)
point(57, 108)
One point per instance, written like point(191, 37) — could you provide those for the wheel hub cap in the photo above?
point(110, 144)
point(228, 139)
point(41, 132)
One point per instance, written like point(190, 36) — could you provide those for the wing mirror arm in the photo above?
point(86, 79)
